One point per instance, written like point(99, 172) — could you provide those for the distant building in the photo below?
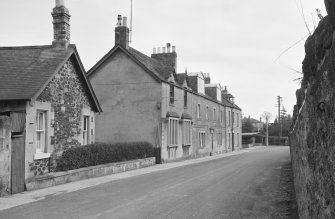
point(144, 99)
point(257, 125)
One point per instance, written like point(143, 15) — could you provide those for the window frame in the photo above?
point(219, 140)
point(199, 111)
point(41, 147)
point(202, 139)
point(187, 132)
point(173, 132)
point(172, 93)
point(86, 130)
point(185, 97)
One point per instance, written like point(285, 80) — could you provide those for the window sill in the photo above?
point(186, 145)
point(172, 146)
point(40, 155)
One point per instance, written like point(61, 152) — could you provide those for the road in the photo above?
point(239, 186)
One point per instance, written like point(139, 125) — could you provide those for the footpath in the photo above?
point(37, 195)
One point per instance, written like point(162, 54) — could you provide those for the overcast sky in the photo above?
point(237, 42)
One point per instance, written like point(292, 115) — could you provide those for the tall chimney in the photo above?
point(122, 33)
point(61, 24)
point(167, 58)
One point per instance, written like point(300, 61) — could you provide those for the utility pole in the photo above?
point(279, 101)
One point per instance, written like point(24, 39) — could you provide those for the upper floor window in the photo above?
point(214, 114)
point(233, 118)
point(199, 111)
point(221, 117)
point(229, 118)
point(171, 94)
point(207, 117)
point(41, 127)
point(185, 98)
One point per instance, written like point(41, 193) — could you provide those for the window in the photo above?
point(171, 94)
point(207, 117)
point(219, 136)
point(173, 132)
point(41, 124)
point(198, 111)
point(187, 132)
point(221, 117)
point(233, 118)
point(214, 114)
point(202, 139)
point(86, 128)
point(237, 120)
point(185, 98)
point(172, 152)
point(229, 141)
point(228, 117)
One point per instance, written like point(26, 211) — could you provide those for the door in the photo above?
point(18, 160)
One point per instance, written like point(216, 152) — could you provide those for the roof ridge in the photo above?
point(31, 47)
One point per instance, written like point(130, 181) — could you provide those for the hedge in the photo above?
point(102, 153)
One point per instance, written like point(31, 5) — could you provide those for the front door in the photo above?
point(18, 167)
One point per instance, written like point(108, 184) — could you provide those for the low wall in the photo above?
point(58, 178)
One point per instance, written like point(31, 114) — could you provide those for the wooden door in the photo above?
point(18, 160)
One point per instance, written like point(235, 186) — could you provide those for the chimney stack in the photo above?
point(61, 24)
point(167, 57)
point(207, 79)
point(122, 32)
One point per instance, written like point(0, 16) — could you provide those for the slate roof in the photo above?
point(24, 71)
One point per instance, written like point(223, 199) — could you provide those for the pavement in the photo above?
point(38, 195)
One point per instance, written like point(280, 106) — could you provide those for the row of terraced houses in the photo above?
point(49, 103)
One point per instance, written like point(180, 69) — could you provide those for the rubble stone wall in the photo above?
point(312, 134)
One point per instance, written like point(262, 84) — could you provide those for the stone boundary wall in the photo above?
point(58, 178)
point(5, 156)
point(312, 135)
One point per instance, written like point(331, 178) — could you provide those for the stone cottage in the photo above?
point(47, 105)
point(144, 99)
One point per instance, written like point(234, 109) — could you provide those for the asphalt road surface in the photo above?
point(239, 186)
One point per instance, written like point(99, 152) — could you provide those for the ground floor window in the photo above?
point(202, 139)
point(173, 132)
point(41, 127)
point(187, 132)
point(219, 138)
point(86, 132)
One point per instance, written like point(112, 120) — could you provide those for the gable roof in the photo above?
point(152, 66)
point(25, 71)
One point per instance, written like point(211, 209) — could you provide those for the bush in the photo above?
point(102, 153)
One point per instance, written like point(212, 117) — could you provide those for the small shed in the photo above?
point(253, 139)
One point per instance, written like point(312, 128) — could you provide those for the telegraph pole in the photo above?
point(279, 101)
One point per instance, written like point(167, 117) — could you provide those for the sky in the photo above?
point(240, 44)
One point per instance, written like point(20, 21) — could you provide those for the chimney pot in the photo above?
point(154, 52)
point(163, 48)
point(119, 19)
point(168, 46)
point(124, 21)
point(173, 48)
point(60, 3)
point(158, 50)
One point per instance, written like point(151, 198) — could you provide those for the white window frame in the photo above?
point(202, 139)
point(187, 134)
point(41, 132)
point(173, 132)
point(86, 130)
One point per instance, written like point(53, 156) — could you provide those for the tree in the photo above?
point(247, 126)
point(267, 116)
